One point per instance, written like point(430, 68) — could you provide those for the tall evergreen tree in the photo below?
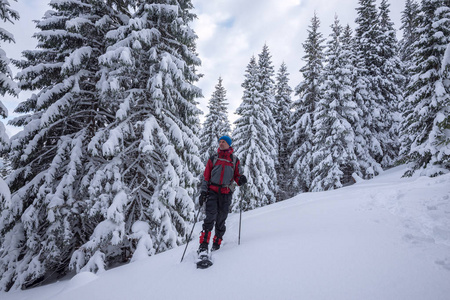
point(426, 122)
point(410, 22)
point(309, 92)
point(390, 83)
point(376, 117)
point(216, 123)
point(251, 136)
point(44, 222)
point(7, 85)
point(266, 87)
point(368, 167)
point(283, 103)
point(267, 83)
point(140, 196)
point(265, 76)
point(334, 157)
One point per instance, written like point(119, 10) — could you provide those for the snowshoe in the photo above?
point(204, 260)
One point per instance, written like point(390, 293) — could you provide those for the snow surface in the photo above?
point(385, 238)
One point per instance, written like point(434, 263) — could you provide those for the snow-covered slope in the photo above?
point(386, 238)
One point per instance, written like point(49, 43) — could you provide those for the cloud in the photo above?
point(231, 31)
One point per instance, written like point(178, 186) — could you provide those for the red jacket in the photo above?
point(221, 173)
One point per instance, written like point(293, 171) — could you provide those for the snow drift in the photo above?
point(386, 238)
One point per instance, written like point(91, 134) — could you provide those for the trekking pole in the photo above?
point(187, 243)
point(240, 218)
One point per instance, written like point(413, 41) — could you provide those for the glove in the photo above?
point(242, 180)
point(203, 198)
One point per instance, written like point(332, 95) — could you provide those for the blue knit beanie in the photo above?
point(227, 139)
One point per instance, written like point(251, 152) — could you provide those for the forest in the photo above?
point(107, 165)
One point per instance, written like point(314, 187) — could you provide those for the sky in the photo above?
point(229, 33)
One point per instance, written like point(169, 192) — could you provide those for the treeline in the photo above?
point(367, 102)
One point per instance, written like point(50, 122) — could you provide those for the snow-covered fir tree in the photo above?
point(45, 221)
point(216, 123)
point(251, 143)
point(376, 116)
point(367, 164)
point(141, 195)
point(410, 22)
point(390, 83)
point(7, 84)
point(265, 77)
point(266, 86)
point(333, 151)
point(302, 123)
point(282, 117)
point(426, 123)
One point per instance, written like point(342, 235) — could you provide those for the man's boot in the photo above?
point(216, 243)
point(204, 241)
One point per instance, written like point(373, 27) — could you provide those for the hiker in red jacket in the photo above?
point(222, 170)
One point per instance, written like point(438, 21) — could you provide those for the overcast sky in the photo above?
point(229, 33)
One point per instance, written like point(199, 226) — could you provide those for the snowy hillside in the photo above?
point(387, 238)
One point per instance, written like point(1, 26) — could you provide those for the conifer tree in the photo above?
point(426, 121)
point(377, 117)
point(44, 222)
point(266, 87)
point(334, 158)
point(251, 135)
point(7, 85)
point(309, 93)
point(141, 194)
point(267, 84)
point(368, 167)
point(410, 22)
point(391, 81)
point(283, 103)
point(216, 123)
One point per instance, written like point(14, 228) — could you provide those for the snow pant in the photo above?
point(216, 211)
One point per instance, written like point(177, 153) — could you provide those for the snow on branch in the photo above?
point(75, 59)
point(77, 23)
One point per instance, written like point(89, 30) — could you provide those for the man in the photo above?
point(216, 191)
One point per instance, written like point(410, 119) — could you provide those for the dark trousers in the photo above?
point(216, 211)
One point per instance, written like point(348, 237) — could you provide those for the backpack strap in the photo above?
point(234, 161)
point(215, 157)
